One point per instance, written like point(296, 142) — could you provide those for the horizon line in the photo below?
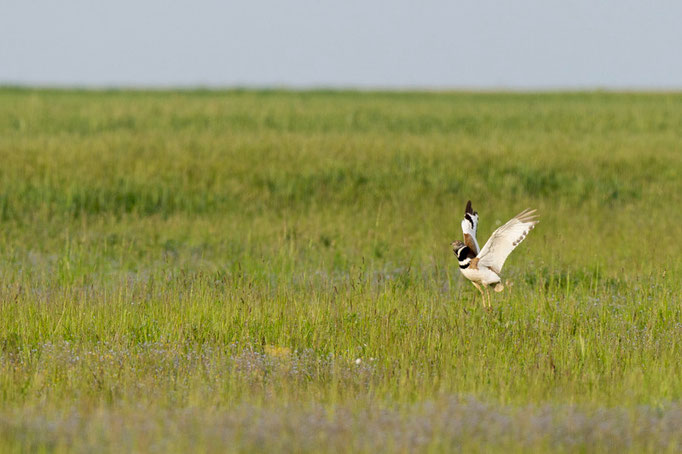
point(417, 88)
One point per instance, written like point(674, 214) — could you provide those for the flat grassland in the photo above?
point(251, 271)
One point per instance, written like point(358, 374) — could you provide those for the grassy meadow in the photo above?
point(259, 271)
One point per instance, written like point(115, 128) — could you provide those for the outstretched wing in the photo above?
point(505, 239)
point(469, 227)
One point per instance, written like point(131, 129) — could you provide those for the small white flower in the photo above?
point(358, 361)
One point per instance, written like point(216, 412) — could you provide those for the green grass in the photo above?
point(256, 271)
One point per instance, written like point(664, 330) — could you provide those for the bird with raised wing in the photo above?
point(483, 266)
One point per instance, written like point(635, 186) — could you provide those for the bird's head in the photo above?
point(456, 246)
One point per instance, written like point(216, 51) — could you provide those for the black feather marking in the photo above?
point(462, 253)
point(468, 209)
point(464, 266)
point(467, 216)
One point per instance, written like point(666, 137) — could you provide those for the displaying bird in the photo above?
point(483, 266)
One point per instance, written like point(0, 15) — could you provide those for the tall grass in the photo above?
point(254, 271)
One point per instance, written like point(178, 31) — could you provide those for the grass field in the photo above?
point(256, 271)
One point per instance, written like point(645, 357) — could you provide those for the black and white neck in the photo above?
point(463, 256)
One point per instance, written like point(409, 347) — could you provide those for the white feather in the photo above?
point(469, 229)
point(505, 239)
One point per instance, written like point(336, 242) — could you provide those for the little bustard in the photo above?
point(483, 266)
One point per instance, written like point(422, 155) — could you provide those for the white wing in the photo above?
point(505, 239)
point(469, 227)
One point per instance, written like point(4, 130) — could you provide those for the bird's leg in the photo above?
point(478, 287)
point(487, 292)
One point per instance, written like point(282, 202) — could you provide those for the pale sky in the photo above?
point(522, 44)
